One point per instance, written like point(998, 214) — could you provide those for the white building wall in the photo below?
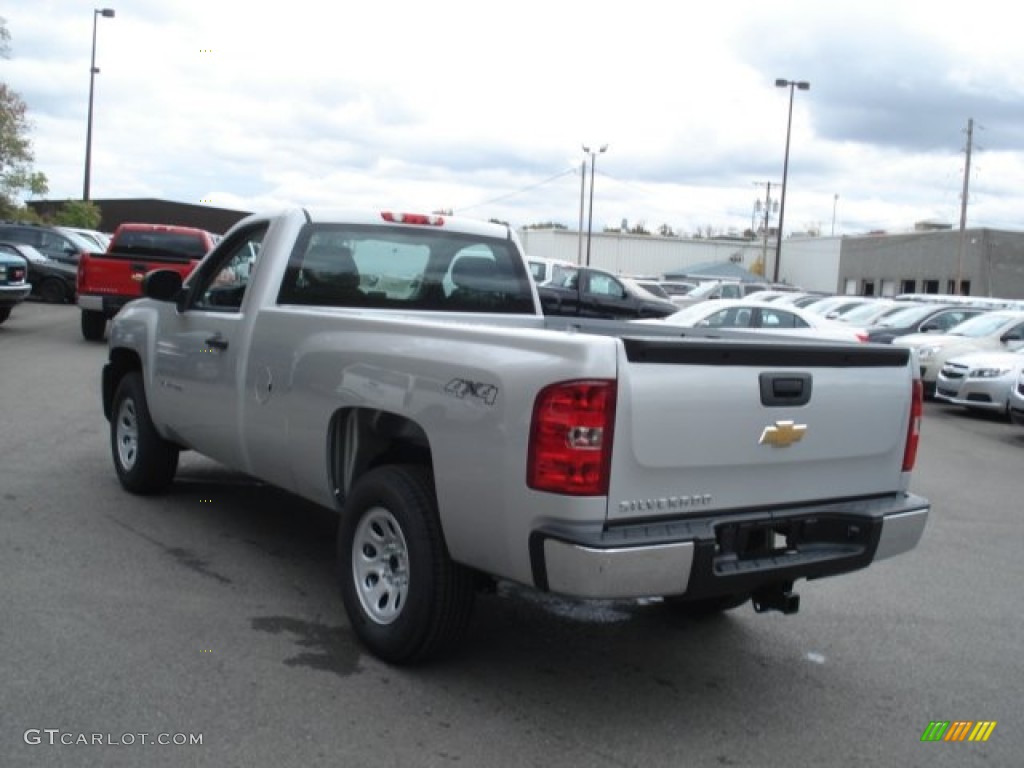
point(637, 254)
point(810, 263)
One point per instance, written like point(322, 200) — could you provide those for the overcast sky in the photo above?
point(482, 107)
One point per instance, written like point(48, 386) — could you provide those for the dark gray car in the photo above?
point(921, 318)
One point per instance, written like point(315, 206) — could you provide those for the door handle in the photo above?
point(217, 341)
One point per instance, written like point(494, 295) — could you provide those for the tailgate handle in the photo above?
point(779, 389)
point(217, 341)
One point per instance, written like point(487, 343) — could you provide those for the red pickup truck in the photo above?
point(107, 281)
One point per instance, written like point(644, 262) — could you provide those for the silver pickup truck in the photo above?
point(397, 369)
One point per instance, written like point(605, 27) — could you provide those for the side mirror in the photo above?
point(161, 285)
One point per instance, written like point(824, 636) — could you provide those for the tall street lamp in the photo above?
point(803, 85)
point(93, 71)
point(590, 212)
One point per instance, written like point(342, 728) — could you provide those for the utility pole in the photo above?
point(764, 232)
point(583, 188)
point(963, 210)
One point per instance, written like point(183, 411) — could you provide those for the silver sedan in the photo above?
point(980, 380)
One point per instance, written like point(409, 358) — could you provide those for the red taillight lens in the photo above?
point(413, 218)
point(571, 438)
point(914, 427)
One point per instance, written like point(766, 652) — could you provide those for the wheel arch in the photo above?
point(121, 363)
point(360, 439)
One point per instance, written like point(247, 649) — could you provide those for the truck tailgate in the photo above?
point(114, 276)
point(705, 425)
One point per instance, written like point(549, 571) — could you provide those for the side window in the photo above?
point(605, 285)
point(222, 284)
point(774, 318)
point(948, 320)
point(720, 319)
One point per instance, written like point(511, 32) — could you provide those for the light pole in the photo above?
point(803, 85)
point(590, 212)
point(835, 202)
point(93, 71)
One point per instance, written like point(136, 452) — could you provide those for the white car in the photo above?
point(759, 316)
point(981, 380)
point(547, 271)
point(1001, 331)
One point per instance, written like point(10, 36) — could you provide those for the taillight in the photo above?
point(413, 218)
point(862, 337)
point(571, 438)
point(914, 427)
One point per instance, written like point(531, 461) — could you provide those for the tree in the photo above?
point(79, 213)
point(666, 231)
point(16, 174)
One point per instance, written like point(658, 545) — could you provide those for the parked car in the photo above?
point(590, 292)
point(102, 239)
point(52, 281)
point(1016, 404)
point(545, 271)
point(872, 312)
point(648, 285)
point(920, 318)
point(720, 289)
point(981, 380)
point(767, 316)
point(676, 289)
point(772, 294)
point(834, 307)
point(14, 285)
point(997, 331)
point(801, 298)
point(50, 241)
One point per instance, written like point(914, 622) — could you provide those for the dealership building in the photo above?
point(987, 262)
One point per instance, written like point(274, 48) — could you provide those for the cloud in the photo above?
point(484, 107)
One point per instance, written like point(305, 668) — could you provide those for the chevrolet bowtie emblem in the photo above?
point(782, 433)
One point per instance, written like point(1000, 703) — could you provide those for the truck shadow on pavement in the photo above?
point(523, 642)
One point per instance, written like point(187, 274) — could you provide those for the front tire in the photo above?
point(406, 600)
point(94, 325)
point(145, 462)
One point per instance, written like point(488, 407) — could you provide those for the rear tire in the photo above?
point(406, 600)
point(5, 312)
point(53, 291)
point(94, 325)
point(145, 462)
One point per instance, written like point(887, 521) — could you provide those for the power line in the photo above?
point(566, 172)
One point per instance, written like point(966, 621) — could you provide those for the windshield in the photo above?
point(906, 316)
point(981, 325)
point(867, 311)
point(652, 287)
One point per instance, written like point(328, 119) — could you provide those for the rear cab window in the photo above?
point(402, 267)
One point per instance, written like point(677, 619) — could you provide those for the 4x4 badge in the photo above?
point(782, 433)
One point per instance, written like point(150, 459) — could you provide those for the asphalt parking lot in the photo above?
point(212, 612)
